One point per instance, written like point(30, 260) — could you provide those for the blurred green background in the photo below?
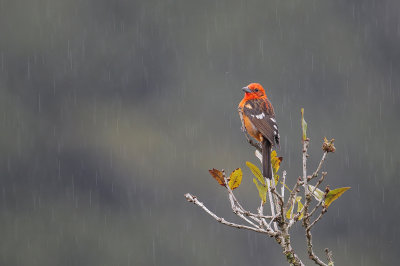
point(111, 110)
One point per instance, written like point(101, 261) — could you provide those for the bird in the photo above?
point(258, 120)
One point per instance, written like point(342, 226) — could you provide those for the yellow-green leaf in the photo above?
point(262, 190)
point(300, 207)
point(276, 177)
point(334, 195)
point(235, 178)
point(286, 187)
point(256, 172)
point(303, 124)
point(218, 175)
point(275, 161)
point(318, 194)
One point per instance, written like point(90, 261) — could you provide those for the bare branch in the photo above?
point(307, 226)
point(308, 195)
point(305, 155)
point(238, 209)
point(310, 250)
point(262, 221)
point(271, 202)
point(280, 204)
point(239, 213)
point(194, 200)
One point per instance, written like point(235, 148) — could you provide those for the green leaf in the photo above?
point(262, 190)
point(318, 194)
point(334, 195)
point(256, 172)
point(289, 212)
point(235, 178)
point(303, 124)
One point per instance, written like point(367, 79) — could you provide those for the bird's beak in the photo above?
point(246, 89)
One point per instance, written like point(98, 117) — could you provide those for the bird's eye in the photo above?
point(256, 90)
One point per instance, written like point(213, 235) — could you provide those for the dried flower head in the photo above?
point(328, 145)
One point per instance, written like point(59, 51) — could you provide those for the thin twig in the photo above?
point(280, 204)
point(306, 225)
point(239, 213)
point(317, 206)
point(247, 213)
point(283, 184)
point(236, 206)
point(319, 182)
point(305, 155)
point(329, 256)
point(316, 220)
point(262, 221)
point(293, 194)
point(273, 219)
point(315, 174)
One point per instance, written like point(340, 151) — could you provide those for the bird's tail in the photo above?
point(266, 154)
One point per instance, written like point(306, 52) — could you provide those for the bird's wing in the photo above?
point(261, 114)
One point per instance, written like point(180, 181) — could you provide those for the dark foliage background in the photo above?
point(111, 110)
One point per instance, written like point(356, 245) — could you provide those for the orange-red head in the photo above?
point(254, 91)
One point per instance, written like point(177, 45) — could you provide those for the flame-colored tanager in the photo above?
point(258, 119)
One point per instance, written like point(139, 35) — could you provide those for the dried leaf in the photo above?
point(303, 124)
point(318, 194)
point(235, 178)
point(334, 195)
point(217, 175)
point(262, 190)
point(256, 172)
